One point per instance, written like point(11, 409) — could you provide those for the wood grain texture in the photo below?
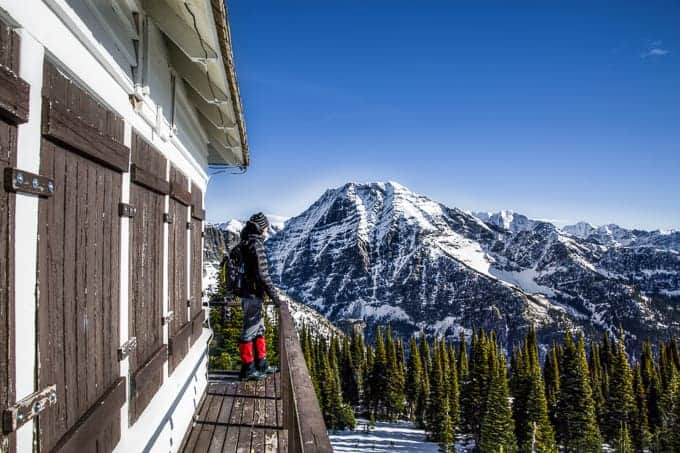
point(145, 307)
point(9, 61)
point(178, 249)
point(78, 279)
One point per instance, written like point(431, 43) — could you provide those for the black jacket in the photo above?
point(257, 281)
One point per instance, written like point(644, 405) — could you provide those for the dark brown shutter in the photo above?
point(79, 268)
point(13, 110)
point(196, 261)
point(180, 326)
point(146, 274)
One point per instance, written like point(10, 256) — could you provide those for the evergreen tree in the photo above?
point(651, 385)
point(348, 374)
point(424, 404)
point(438, 407)
point(640, 429)
point(462, 360)
point(551, 378)
point(414, 381)
point(620, 405)
point(378, 378)
point(497, 429)
point(577, 428)
point(477, 387)
point(453, 387)
point(533, 429)
point(597, 382)
point(394, 379)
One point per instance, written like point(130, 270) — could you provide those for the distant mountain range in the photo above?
point(382, 253)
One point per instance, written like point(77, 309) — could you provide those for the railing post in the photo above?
point(302, 416)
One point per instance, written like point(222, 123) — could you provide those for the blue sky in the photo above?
point(559, 110)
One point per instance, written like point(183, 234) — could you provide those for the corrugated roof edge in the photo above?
point(224, 34)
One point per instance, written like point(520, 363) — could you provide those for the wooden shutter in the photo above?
point(147, 196)
point(180, 326)
point(79, 268)
point(13, 110)
point(197, 216)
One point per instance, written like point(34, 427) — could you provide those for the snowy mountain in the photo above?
point(382, 253)
point(507, 220)
point(613, 235)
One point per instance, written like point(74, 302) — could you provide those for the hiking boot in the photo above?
point(264, 367)
point(250, 373)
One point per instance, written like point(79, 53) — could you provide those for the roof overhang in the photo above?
point(200, 52)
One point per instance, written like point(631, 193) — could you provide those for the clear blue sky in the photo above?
point(559, 110)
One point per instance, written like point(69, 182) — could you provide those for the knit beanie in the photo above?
point(260, 220)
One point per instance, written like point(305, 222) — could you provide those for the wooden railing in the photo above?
point(302, 416)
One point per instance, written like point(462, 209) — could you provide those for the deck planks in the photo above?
point(237, 417)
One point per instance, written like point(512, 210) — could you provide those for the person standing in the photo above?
point(256, 284)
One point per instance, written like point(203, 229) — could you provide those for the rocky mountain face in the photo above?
point(382, 253)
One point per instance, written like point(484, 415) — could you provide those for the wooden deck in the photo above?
point(238, 416)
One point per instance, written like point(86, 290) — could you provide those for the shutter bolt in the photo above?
point(36, 407)
point(19, 178)
point(36, 184)
point(50, 187)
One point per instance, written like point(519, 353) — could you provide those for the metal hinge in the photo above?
point(22, 181)
point(23, 411)
point(202, 234)
point(127, 348)
point(188, 302)
point(167, 218)
point(167, 319)
point(126, 210)
point(190, 226)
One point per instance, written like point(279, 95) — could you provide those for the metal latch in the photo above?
point(22, 181)
point(25, 410)
point(167, 319)
point(126, 210)
point(167, 218)
point(127, 348)
point(190, 226)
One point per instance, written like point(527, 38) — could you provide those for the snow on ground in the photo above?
point(386, 437)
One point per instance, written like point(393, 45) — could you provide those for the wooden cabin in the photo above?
point(111, 113)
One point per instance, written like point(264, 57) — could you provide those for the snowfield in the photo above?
point(388, 437)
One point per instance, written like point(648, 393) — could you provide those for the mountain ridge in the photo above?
point(382, 253)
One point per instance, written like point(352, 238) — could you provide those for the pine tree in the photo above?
point(651, 385)
point(438, 407)
point(453, 387)
point(551, 378)
point(577, 428)
point(477, 387)
point(462, 360)
point(414, 381)
point(597, 382)
point(424, 403)
point(497, 430)
point(620, 405)
point(640, 429)
point(394, 380)
point(378, 378)
point(348, 374)
point(533, 429)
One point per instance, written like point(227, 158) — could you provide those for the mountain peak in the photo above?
point(507, 220)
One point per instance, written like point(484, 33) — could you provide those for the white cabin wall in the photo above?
point(57, 29)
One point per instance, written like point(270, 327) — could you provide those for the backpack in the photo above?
point(232, 270)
